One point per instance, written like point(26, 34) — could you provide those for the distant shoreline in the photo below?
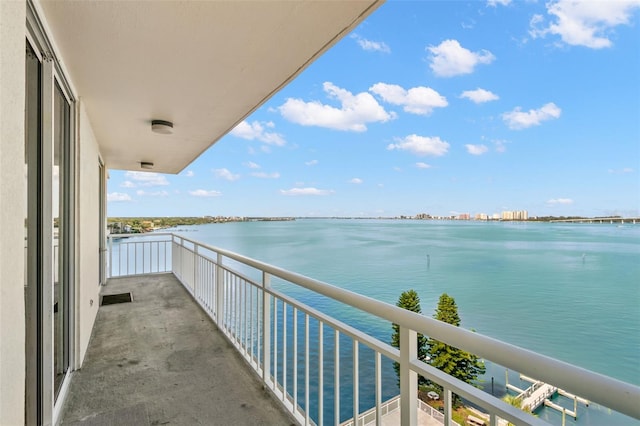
point(128, 225)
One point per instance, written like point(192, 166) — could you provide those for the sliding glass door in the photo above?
point(49, 229)
point(33, 240)
point(60, 184)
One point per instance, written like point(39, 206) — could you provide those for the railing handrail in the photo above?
point(607, 391)
point(144, 234)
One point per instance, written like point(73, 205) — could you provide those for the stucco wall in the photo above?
point(88, 193)
point(12, 211)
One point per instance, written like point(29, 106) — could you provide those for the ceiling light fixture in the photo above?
point(162, 126)
point(146, 165)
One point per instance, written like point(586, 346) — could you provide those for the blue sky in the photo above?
point(434, 107)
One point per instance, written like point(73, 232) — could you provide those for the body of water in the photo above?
point(570, 291)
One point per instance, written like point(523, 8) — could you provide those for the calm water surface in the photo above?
point(570, 291)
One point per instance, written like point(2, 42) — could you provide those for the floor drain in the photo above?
point(111, 299)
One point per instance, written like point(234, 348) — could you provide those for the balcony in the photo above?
point(160, 360)
point(212, 336)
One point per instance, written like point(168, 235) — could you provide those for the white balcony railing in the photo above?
point(303, 355)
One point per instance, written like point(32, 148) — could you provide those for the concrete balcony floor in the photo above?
point(161, 360)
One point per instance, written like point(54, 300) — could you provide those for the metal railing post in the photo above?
point(219, 291)
point(266, 329)
point(378, 381)
point(408, 377)
point(493, 420)
point(355, 382)
point(447, 400)
point(195, 273)
point(173, 255)
point(109, 272)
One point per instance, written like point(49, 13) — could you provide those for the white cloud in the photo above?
point(128, 184)
point(417, 100)
point(621, 171)
point(356, 181)
point(306, 191)
point(140, 192)
point(263, 175)
point(354, 113)
point(422, 165)
point(147, 178)
point(584, 23)
point(118, 196)
point(256, 131)
point(518, 119)
point(252, 165)
point(495, 3)
point(500, 145)
point(470, 24)
point(449, 59)
point(375, 46)
point(421, 145)
point(479, 95)
point(476, 149)
point(225, 174)
point(189, 173)
point(205, 193)
point(311, 163)
point(556, 201)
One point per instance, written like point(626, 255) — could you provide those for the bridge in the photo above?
point(614, 219)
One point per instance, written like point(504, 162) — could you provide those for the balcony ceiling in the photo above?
point(205, 66)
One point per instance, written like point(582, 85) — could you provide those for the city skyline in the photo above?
point(434, 107)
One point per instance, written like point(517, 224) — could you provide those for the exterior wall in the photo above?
point(12, 212)
point(88, 236)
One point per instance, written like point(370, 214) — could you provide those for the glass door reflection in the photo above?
point(60, 206)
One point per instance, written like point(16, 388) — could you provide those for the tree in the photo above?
point(516, 402)
point(410, 301)
point(513, 400)
point(458, 363)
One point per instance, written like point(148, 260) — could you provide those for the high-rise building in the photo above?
point(515, 215)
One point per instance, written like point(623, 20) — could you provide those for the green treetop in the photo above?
point(458, 363)
point(447, 310)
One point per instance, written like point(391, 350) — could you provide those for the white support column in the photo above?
point(408, 378)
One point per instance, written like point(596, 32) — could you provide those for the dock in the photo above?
point(540, 393)
point(537, 398)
